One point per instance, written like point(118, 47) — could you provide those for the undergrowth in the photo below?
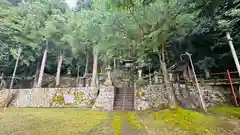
point(226, 111)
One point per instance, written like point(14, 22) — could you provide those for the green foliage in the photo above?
point(226, 111)
point(140, 94)
point(135, 29)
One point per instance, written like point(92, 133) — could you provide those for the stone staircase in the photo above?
point(124, 99)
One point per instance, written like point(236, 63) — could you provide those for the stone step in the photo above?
point(121, 101)
point(126, 101)
point(121, 108)
point(124, 94)
point(124, 104)
point(124, 97)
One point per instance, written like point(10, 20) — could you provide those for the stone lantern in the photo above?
point(149, 71)
point(171, 75)
point(108, 81)
point(140, 72)
point(160, 78)
point(81, 81)
point(156, 78)
point(128, 64)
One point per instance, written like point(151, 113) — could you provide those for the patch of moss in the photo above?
point(50, 121)
point(78, 97)
point(140, 94)
point(225, 111)
point(133, 120)
point(69, 91)
point(186, 120)
point(117, 123)
point(58, 99)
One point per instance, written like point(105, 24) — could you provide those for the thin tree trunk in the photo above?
point(235, 57)
point(86, 63)
point(78, 83)
point(114, 64)
point(94, 70)
point(42, 68)
point(171, 97)
point(59, 69)
point(8, 100)
point(36, 76)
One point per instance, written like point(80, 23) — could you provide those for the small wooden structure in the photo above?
point(182, 71)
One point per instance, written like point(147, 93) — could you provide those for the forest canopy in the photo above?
point(109, 30)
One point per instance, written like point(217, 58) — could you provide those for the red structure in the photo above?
point(233, 92)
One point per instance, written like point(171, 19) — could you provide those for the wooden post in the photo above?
point(195, 77)
point(15, 68)
point(14, 73)
point(233, 53)
point(233, 92)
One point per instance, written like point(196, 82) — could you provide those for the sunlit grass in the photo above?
point(226, 111)
point(33, 121)
point(184, 122)
point(74, 121)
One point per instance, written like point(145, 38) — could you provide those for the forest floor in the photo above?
point(73, 121)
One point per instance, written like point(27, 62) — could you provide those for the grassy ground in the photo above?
point(70, 121)
point(50, 121)
point(187, 122)
point(226, 111)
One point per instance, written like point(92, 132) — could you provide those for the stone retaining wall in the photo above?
point(187, 96)
point(47, 97)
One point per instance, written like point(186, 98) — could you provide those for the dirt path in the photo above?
point(128, 123)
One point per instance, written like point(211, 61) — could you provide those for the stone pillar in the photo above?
point(108, 81)
point(156, 78)
point(139, 73)
point(87, 82)
point(81, 82)
point(69, 71)
point(105, 99)
point(160, 77)
point(171, 77)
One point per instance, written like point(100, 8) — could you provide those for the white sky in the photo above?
point(71, 3)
